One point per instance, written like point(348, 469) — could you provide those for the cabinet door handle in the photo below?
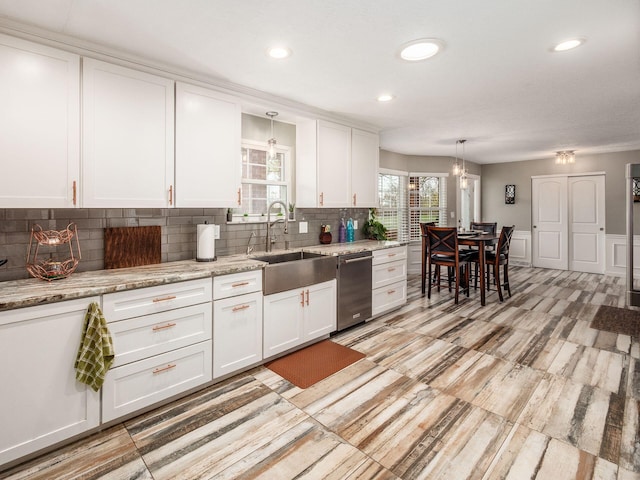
point(170, 194)
point(391, 255)
point(75, 193)
point(239, 284)
point(162, 327)
point(321, 199)
point(239, 198)
point(307, 297)
point(164, 299)
point(240, 308)
point(391, 269)
point(302, 298)
point(390, 292)
point(164, 369)
point(354, 200)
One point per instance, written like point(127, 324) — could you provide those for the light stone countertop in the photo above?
point(26, 293)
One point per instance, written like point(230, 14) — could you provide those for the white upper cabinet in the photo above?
point(365, 154)
point(334, 160)
point(40, 125)
point(336, 166)
point(127, 139)
point(208, 146)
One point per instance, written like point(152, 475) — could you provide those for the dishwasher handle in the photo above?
point(359, 259)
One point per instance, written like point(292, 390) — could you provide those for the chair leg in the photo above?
point(449, 275)
point(457, 285)
point(429, 292)
point(506, 279)
point(496, 274)
point(475, 282)
point(488, 281)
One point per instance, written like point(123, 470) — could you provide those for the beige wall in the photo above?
point(496, 176)
point(425, 164)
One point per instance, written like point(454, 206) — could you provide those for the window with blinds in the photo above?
point(392, 192)
point(427, 201)
point(408, 199)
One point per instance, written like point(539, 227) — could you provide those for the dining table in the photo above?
point(480, 240)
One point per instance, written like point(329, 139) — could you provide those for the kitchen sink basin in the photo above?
point(286, 271)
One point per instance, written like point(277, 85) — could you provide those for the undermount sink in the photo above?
point(286, 271)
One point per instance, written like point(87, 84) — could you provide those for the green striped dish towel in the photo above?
point(96, 353)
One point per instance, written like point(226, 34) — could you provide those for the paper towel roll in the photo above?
point(206, 246)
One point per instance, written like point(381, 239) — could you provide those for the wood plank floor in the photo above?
point(516, 390)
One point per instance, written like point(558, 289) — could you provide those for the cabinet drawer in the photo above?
point(389, 297)
point(140, 384)
point(144, 301)
point(388, 273)
point(389, 255)
point(237, 333)
point(143, 337)
point(234, 284)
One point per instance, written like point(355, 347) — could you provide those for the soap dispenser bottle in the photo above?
point(342, 231)
point(350, 231)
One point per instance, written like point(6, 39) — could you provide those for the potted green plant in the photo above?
point(292, 207)
point(373, 229)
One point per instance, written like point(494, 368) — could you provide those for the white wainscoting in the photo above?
point(519, 252)
point(616, 255)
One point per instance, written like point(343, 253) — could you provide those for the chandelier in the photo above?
point(566, 156)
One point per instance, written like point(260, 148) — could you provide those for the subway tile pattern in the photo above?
point(513, 390)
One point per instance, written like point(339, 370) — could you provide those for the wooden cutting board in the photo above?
point(131, 246)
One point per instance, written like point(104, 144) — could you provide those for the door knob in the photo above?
point(601, 229)
point(535, 226)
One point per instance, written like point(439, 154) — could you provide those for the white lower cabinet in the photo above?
point(162, 340)
point(388, 279)
point(139, 384)
point(42, 403)
point(237, 333)
point(298, 316)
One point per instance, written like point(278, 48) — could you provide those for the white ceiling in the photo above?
point(496, 83)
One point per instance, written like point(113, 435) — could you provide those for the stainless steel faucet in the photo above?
point(270, 225)
point(249, 247)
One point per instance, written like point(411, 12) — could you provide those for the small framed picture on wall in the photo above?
point(509, 194)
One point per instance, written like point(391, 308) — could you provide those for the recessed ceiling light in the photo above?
point(568, 44)
point(386, 97)
point(420, 49)
point(279, 52)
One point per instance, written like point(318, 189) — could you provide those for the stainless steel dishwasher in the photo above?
point(354, 289)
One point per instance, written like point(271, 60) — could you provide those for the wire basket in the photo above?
point(52, 268)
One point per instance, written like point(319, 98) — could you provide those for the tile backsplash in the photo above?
point(178, 231)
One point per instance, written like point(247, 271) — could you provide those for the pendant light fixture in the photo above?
point(272, 141)
point(456, 166)
point(464, 180)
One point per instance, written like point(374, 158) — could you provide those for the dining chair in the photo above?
point(496, 258)
point(425, 251)
point(490, 228)
point(444, 252)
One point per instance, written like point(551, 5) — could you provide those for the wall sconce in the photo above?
point(510, 194)
point(636, 190)
point(564, 157)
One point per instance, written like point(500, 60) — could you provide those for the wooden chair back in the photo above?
point(488, 227)
point(442, 241)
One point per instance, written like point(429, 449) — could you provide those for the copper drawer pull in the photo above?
point(239, 284)
point(239, 199)
point(391, 269)
point(307, 297)
point(162, 327)
point(321, 199)
point(391, 255)
point(170, 194)
point(302, 298)
point(354, 199)
point(164, 369)
point(75, 196)
point(164, 299)
point(241, 307)
point(390, 292)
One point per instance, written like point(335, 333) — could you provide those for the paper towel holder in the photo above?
point(206, 242)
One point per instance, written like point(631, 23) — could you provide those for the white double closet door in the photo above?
point(568, 220)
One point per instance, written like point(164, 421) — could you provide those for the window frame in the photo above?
point(286, 182)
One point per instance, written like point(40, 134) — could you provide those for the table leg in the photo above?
point(481, 256)
point(424, 261)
